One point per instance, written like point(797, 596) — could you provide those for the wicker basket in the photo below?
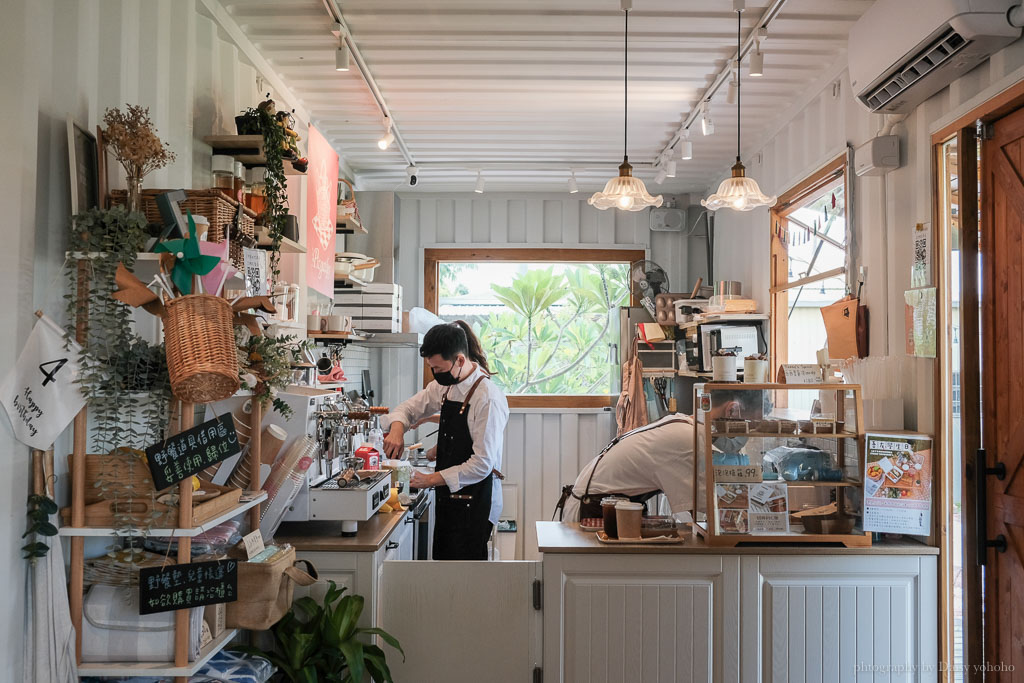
point(216, 205)
point(201, 356)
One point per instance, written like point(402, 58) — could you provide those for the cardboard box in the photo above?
point(215, 617)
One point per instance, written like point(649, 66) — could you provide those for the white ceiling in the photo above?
point(475, 83)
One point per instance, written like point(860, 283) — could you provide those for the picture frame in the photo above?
point(83, 168)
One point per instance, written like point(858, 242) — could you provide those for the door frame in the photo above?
point(963, 128)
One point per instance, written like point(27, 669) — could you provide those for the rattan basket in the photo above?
point(216, 205)
point(201, 356)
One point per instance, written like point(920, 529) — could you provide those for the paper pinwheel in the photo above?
point(189, 260)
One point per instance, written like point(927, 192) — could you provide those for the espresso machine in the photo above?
point(339, 425)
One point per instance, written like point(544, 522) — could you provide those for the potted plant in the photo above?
point(316, 643)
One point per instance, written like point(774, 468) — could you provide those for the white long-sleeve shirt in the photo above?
point(658, 457)
point(487, 417)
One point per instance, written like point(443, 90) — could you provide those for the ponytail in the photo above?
point(476, 350)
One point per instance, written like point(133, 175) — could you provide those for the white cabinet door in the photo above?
point(839, 619)
point(462, 622)
point(627, 618)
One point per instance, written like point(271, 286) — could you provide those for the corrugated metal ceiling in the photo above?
point(474, 84)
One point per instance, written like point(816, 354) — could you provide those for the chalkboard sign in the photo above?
point(180, 586)
point(182, 455)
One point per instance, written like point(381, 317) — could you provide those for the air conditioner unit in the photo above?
point(901, 52)
point(668, 219)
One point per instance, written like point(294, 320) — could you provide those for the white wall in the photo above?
point(814, 132)
point(544, 449)
point(60, 59)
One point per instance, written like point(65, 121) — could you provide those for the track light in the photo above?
point(573, 187)
point(757, 57)
point(756, 63)
point(341, 55)
point(734, 87)
point(670, 168)
point(659, 178)
point(707, 126)
point(686, 147)
point(388, 138)
point(479, 182)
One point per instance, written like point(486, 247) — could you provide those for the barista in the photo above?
point(638, 465)
point(473, 414)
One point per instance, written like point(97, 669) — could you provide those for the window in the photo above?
point(548, 319)
point(809, 258)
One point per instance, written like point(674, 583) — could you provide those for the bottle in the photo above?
point(377, 436)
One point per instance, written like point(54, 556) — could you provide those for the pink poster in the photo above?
point(321, 211)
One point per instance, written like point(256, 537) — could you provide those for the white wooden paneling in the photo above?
point(851, 619)
point(462, 622)
point(663, 620)
point(543, 451)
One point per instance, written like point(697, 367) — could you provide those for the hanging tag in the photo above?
point(253, 544)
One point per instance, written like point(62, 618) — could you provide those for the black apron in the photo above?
point(590, 503)
point(463, 527)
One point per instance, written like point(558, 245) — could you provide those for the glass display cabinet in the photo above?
point(779, 463)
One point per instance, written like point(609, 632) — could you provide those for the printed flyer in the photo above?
point(761, 508)
point(898, 483)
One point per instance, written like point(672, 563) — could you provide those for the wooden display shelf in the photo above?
point(793, 435)
point(175, 532)
point(158, 669)
point(248, 149)
point(851, 540)
point(287, 246)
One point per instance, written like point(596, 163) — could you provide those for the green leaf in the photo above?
point(46, 529)
point(48, 506)
point(353, 651)
point(387, 637)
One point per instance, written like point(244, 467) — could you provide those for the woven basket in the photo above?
point(201, 356)
point(218, 207)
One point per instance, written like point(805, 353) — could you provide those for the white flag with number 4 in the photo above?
point(40, 393)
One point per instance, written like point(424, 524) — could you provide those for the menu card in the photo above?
point(180, 456)
point(180, 586)
point(898, 483)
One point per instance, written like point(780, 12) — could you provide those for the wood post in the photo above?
point(182, 634)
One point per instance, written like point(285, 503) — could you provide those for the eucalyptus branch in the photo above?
point(579, 359)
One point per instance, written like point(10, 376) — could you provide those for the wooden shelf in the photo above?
point(823, 484)
point(287, 246)
point(177, 533)
point(158, 669)
point(248, 149)
point(724, 317)
point(797, 435)
point(350, 226)
point(694, 373)
point(337, 336)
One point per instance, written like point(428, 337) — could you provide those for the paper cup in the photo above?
point(755, 371)
point(627, 519)
point(723, 368)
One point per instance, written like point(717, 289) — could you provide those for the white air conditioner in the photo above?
point(902, 52)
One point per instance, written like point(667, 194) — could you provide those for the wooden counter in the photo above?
point(326, 536)
point(565, 537)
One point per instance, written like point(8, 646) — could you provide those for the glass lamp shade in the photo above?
point(624, 192)
point(738, 193)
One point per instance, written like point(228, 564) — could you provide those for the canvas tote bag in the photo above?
point(265, 591)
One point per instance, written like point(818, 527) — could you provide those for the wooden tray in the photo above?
point(657, 540)
point(139, 511)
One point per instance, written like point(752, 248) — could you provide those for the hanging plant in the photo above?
point(265, 365)
point(262, 121)
point(123, 377)
point(40, 508)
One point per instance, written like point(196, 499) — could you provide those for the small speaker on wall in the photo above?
point(668, 220)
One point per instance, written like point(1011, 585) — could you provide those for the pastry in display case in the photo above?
point(779, 463)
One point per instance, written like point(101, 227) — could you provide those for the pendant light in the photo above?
point(624, 191)
point(739, 192)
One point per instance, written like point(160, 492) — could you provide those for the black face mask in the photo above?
point(445, 378)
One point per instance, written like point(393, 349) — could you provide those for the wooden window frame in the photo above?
point(779, 253)
point(433, 257)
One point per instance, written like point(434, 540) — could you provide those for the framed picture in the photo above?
point(83, 165)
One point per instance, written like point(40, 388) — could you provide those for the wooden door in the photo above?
point(1002, 249)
